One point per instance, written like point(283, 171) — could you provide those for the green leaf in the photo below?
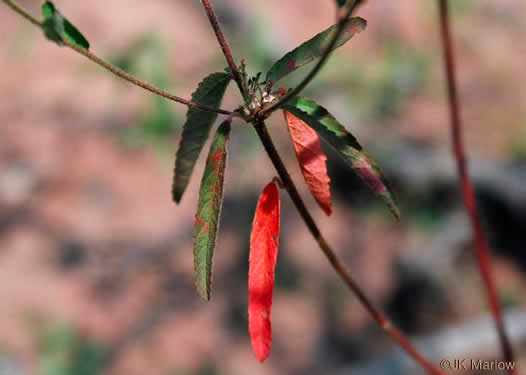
point(196, 130)
point(208, 211)
point(56, 27)
point(53, 24)
point(313, 49)
point(345, 144)
point(344, 3)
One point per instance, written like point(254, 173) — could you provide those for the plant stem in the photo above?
point(17, 8)
point(118, 72)
point(333, 259)
point(482, 250)
point(224, 46)
point(143, 84)
point(323, 59)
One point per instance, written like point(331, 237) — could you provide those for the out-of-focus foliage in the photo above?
point(376, 86)
point(66, 352)
point(146, 58)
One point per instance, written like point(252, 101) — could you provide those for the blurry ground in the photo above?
point(96, 261)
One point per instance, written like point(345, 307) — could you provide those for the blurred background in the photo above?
point(96, 265)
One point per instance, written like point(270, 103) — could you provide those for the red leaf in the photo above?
point(312, 160)
point(263, 255)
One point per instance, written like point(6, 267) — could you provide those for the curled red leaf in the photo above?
point(312, 160)
point(263, 255)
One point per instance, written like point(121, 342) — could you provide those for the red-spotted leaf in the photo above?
point(263, 255)
point(313, 49)
point(345, 144)
point(312, 160)
point(196, 130)
point(208, 211)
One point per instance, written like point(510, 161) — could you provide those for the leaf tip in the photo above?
point(262, 356)
point(388, 198)
point(395, 210)
point(202, 285)
point(203, 292)
point(48, 6)
point(205, 295)
point(177, 194)
point(356, 25)
point(224, 128)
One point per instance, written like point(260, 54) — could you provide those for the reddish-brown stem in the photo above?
point(143, 84)
point(481, 246)
point(224, 46)
point(113, 69)
point(333, 259)
point(17, 8)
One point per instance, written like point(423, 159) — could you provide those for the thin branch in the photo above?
point(323, 59)
point(224, 46)
point(335, 262)
point(482, 250)
point(143, 84)
point(118, 72)
point(17, 8)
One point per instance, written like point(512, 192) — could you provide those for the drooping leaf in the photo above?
point(263, 255)
point(196, 130)
point(313, 49)
point(312, 160)
point(345, 144)
point(56, 27)
point(206, 220)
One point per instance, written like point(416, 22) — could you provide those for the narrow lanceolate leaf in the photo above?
point(56, 27)
point(343, 3)
point(313, 49)
point(345, 144)
point(312, 160)
point(206, 220)
point(196, 130)
point(263, 255)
